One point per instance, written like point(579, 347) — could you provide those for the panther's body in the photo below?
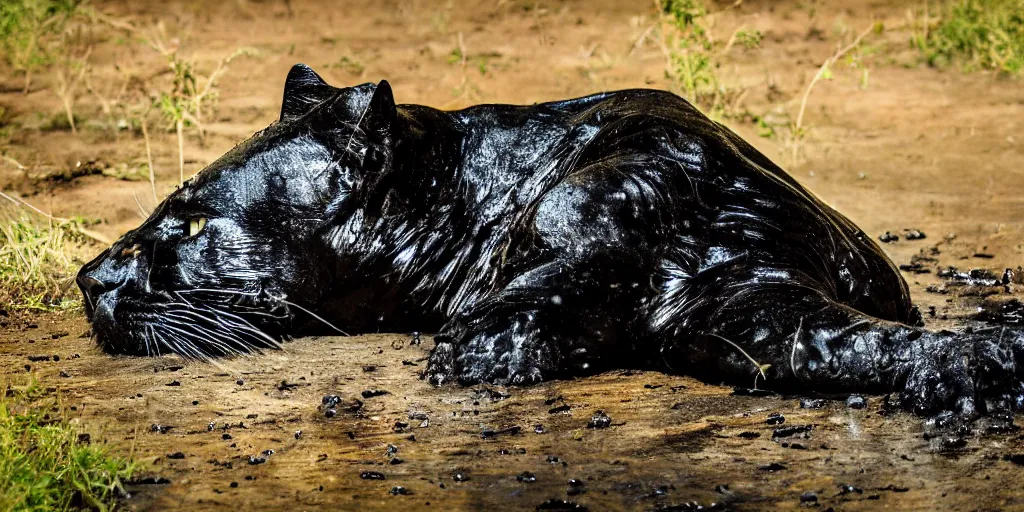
point(619, 229)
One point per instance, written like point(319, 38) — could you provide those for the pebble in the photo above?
point(526, 477)
point(600, 420)
point(913, 234)
point(812, 403)
point(856, 402)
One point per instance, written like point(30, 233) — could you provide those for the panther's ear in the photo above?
point(369, 107)
point(381, 112)
point(303, 89)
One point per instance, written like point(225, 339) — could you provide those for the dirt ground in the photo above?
point(917, 148)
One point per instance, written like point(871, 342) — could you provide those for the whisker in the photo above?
point(221, 342)
point(232, 321)
point(314, 315)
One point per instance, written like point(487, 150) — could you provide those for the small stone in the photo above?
point(856, 402)
point(775, 418)
point(812, 403)
point(845, 489)
point(913, 234)
point(599, 420)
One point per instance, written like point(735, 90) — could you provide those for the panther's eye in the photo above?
point(196, 225)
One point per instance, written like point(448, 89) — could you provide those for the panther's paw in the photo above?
point(442, 366)
point(939, 385)
point(963, 379)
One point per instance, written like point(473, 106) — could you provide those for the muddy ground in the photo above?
point(913, 148)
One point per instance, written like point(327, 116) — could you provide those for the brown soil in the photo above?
point(918, 148)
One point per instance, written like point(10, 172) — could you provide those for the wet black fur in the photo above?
point(623, 229)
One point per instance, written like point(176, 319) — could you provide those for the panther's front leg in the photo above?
point(513, 348)
point(556, 320)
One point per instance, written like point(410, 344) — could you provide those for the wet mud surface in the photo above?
point(347, 423)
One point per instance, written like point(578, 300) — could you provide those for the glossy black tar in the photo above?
point(623, 229)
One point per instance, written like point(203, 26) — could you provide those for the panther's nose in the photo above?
point(97, 279)
point(92, 288)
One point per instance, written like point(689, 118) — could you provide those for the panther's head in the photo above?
point(237, 257)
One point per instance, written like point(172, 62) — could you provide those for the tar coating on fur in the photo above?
point(623, 229)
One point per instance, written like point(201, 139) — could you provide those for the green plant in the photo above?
point(976, 34)
point(189, 95)
point(46, 463)
point(689, 47)
point(70, 71)
point(28, 29)
point(797, 130)
point(750, 39)
point(38, 256)
point(349, 64)
point(764, 128)
point(459, 56)
point(693, 57)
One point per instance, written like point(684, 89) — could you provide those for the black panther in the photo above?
point(618, 230)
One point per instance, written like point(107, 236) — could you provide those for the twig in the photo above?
point(179, 127)
point(67, 85)
point(760, 367)
point(640, 41)
point(149, 158)
point(462, 49)
point(86, 232)
point(13, 162)
point(796, 339)
point(114, 22)
point(139, 204)
point(821, 71)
